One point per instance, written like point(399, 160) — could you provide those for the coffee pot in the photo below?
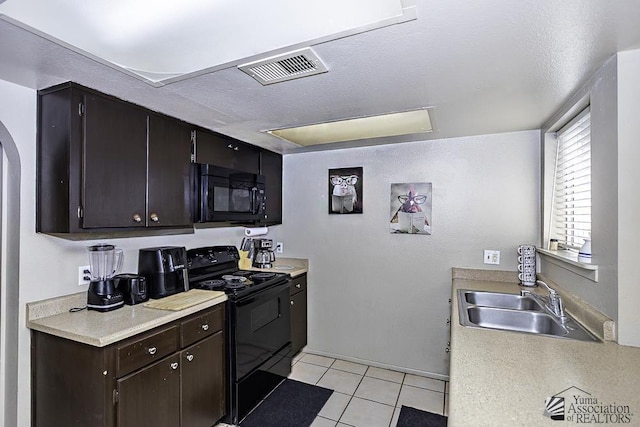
point(104, 262)
point(263, 258)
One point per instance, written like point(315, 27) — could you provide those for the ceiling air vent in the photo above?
point(288, 66)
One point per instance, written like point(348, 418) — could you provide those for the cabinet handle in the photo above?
point(137, 218)
point(154, 217)
point(291, 302)
point(174, 365)
point(235, 148)
point(189, 357)
point(448, 321)
point(152, 350)
point(230, 146)
point(447, 350)
point(205, 327)
point(298, 285)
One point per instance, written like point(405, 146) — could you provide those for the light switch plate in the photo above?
point(491, 256)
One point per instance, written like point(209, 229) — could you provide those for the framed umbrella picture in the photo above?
point(411, 208)
point(345, 191)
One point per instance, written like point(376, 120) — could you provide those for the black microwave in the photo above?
point(222, 194)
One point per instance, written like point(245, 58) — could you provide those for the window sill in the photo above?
point(569, 261)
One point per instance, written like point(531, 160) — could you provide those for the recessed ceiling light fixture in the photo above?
point(389, 124)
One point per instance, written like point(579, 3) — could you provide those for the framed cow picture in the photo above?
point(345, 191)
point(411, 208)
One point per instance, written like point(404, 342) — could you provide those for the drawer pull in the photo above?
point(137, 218)
point(189, 357)
point(205, 327)
point(298, 285)
point(154, 217)
point(291, 302)
point(174, 365)
point(152, 350)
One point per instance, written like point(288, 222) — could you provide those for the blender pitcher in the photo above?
point(104, 262)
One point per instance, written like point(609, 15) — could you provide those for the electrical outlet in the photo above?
point(84, 275)
point(491, 257)
point(279, 247)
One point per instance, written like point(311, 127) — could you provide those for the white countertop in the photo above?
point(294, 266)
point(501, 378)
point(101, 329)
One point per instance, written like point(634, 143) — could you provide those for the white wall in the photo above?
point(383, 298)
point(614, 95)
point(628, 197)
point(601, 93)
point(49, 265)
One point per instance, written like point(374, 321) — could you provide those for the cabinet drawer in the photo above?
point(200, 327)
point(298, 284)
point(133, 355)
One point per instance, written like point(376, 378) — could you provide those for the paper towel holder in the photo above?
point(257, 231)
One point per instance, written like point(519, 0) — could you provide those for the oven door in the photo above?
point(262, 328)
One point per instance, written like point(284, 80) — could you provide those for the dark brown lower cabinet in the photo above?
point(151, 396)
point(203, 382)
point(171, 376)
point(298, 295)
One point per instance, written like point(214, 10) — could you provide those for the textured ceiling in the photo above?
point(485, 66)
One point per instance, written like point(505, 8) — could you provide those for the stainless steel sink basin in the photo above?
point(499, 300)
point(534, 322)
point(516, 313)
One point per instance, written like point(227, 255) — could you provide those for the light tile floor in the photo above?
point(366, 396)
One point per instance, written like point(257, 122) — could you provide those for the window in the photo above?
point(571, 211)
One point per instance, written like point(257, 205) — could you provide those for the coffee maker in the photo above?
point(104, 262)
point(165, 269)
point(263, 255)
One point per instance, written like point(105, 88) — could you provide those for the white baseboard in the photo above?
point(377, 364)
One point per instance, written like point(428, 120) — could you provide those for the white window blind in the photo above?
point(572, 192)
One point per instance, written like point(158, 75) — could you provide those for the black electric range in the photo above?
point(215, 268)
point(257, 326)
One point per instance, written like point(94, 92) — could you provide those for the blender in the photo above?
point(104, 262)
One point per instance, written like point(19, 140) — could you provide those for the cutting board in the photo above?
point(183, 300)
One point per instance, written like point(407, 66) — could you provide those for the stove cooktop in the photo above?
point(216, 268)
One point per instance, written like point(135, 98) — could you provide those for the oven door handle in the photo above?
point(264, 294)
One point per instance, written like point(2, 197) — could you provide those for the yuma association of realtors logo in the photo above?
point(581, 407)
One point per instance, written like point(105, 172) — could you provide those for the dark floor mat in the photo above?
point(292, 404)
point(412, 417)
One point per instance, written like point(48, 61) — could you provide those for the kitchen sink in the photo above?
point(500, 300)
point(515, 320)
point(516, 313)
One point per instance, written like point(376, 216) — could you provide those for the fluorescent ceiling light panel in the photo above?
point(161, 39)
point(392, 124)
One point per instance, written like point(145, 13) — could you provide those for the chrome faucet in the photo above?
point(555, 302)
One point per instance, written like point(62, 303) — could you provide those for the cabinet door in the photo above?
point(299, 321)
point(151, 396)
point(216, 149)
point(114, 163)
point(203, 382)
point(169, 172)
point(271, 168)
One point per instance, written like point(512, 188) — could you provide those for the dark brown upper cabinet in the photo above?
point(215, 149)
point(105, 165)
point(271, 168)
